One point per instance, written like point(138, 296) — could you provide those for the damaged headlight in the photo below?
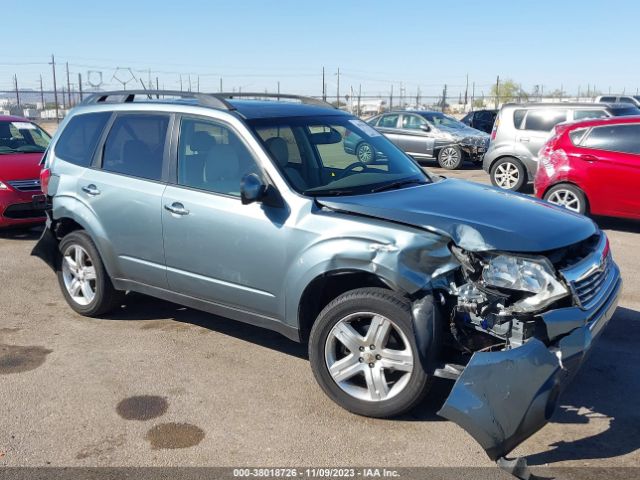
point(533, 276)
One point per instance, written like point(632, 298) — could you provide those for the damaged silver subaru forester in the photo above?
point(252, 209)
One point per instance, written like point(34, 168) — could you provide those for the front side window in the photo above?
point(413, 122)
point(608, 99)
point(581, 114)
point(327, 147)
point(79, 139)
point(135, 145)
point(544, 120)
point(440, 120)
point(615, 138)
point(212, 157)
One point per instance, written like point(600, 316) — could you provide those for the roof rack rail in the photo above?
point(129, 96)
point(278, 96)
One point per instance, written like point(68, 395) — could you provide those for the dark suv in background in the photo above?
point(480, 119)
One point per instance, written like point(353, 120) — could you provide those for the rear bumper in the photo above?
point(18, 208)
point(502, 398)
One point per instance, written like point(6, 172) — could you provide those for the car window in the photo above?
point(485, 117)
point(608, 99)
point(135, 145)
point(615, 138)
point(413, 122)
point(544, 120)
point(518, 116)
point(627, 100)
point(373, 121)
point(580, 114)
point(468, 118)
point(388, 121)
point(577, 135)
point(78, 140)
point(293, 151)
point(212, 157)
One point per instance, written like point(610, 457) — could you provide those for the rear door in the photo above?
point(389, 125)
point(537, 126)
point(124, 188)
point(611, 154)
point(412, 138)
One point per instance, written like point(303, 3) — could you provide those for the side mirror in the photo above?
point(425, 128)
point(252, 188)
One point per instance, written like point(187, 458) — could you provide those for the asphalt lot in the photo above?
point(158, 385)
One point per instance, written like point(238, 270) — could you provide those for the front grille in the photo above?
point(26, 185)
point(23, 210)
point(587, 289)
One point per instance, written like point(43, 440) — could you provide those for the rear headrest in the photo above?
point(202, 142)
point(222, 163)
point(279, 149)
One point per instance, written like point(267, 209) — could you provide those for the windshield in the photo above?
point(22, 137)
point(335, 155)
point(625, 111)
point(440, 120)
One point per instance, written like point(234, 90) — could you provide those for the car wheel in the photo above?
point(85, 283)
point(509, 174)
point(365, 152)
point(569, 197)
point(450, 158)
point(364, 356)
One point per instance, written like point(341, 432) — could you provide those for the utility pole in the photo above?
point(359, 95)
point(15, 83)
point(68, 85)
point(180, 82)
point(189, 77)
point(80, 85)
point(391, 99)
point(473, 95)
point(41, 93)
point(278, 90)
point(324, 87)
point(198, 83)
point(418, 97)
point(220, 84)
point(466, 93)
point(338, 89)
point(55, 88)
point(444, 97)
point(497, 102)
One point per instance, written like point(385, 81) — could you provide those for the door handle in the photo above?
point(588, 158)
point(91, 190)
point(524, 139)
point(177, 209)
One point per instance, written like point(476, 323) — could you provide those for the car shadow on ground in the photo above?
point(32, 233)
point(620, 224)
point(607, 389)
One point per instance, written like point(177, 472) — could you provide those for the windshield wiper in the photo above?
point(331, 193)
point(398, 184)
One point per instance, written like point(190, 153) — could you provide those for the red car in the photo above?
point(593, 167)
point(22, 144)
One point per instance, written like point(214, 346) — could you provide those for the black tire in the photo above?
point(365, 153)
point(508, 173)
point(106, 297)
point(450, 157)
point(555, 193)
point(397, 309)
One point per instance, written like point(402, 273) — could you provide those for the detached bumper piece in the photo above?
point(502, 398)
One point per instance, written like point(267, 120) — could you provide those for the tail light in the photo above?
point(494, 130)
point(45, 176)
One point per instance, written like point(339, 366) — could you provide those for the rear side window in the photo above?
point(388, 121)
point(580, 114)
point(518, 116)
point(627, 100)
point(615, 138)
point(78, 141)
point(135, 145)
point(544, 120)
point(608, 99)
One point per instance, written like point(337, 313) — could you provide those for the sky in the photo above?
point(252, 45)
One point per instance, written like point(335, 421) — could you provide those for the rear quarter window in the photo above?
point(518, 116)
point(614, 138)
point(576, 136)
point(78, 140)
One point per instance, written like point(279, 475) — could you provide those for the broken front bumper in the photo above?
point(502, 398)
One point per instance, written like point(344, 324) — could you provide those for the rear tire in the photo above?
point(84, 282)
point(365, 153)
point(508, 173)
point(373, 371)
point(450, 157)
point(568, 196)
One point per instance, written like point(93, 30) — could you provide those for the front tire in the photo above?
point(364, 355)
point(509, 174)
point(84, 282)
point(365, 153)
point(450, 157)
point(569, 197)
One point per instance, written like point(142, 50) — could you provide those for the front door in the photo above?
point(217, 249)
point(413, 139)
point(125, 192)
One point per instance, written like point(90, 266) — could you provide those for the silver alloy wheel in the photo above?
point(565, 198)
point(449, 157)
point(507, 175)
point(364, 366)
point(365, 153)
point(79, 274)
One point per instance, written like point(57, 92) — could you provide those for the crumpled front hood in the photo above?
point(465, 132)
point(476, 217)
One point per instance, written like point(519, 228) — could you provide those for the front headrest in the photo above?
point(202, 142)
point(279, 149)
point(222, 163)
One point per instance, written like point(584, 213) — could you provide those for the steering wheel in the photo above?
point(351, 167)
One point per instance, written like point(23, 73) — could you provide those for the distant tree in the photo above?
point(506, 91)
point(558, 93)
point(478, 103)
